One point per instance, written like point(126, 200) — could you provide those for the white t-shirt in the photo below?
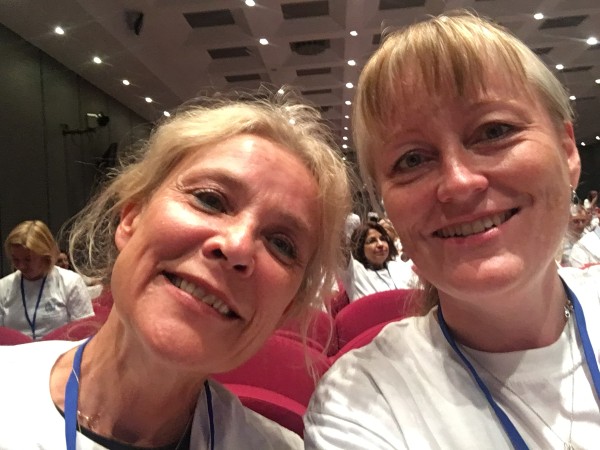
point(408, 390)
point(360, 281)
point(64, 298)
point(586, 250)
point(29, 419)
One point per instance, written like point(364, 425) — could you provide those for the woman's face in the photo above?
point(376, 248)
point(31, 265)
point(208, 266)
point(478, 187)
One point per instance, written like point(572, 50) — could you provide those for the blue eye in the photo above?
point(210, 201)
point(495, 131)
point(283, 246)
point(411, 160)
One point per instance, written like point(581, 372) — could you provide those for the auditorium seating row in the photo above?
point(279, 380)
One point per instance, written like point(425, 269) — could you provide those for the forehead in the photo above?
point(20, 251)
point(373, 233)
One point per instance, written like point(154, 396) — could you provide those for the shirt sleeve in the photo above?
point(79, 303)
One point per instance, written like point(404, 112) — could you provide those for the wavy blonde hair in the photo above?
point(37, 237)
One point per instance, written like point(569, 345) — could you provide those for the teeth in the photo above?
point(200, 294)
point(477, 226)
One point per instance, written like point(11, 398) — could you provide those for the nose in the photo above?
point(234, 247)
point(460, 178)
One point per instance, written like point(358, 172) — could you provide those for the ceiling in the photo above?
point(181, 48)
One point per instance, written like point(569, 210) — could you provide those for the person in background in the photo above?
point(39, 296)
point(578, 223)
point(226, 223)
point(466, 138)
point(373, 265)
point(63, 261)
point(391, 231)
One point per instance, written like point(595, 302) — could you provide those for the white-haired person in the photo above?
point(39, 296)
point(226, 223)
point(466, 138)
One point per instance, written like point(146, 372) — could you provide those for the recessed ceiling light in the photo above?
point(166, 113)
point(597, 80)
point(349, 85)
point(592, 40)
point(559, 67)
point(250, 3)
point(572, 97)
point(348, 102)
point(351, 62)
point(583, 144)
point(280, 91)
point(263, 41)
point(292, 121)
point(346, 116)
point(344, 146)
point(538, 16)
point(148, 100)
point(598, 138)
point(126, 82)
point(354, 33)
point(343, 157)
point(97, 60)
point(345, 138)
point(346, 128)
point(59, 30)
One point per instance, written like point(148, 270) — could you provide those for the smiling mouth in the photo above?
point(477, 226)
point(198, 293)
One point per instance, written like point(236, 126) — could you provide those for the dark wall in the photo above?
point(590, 170)
point(44, 174)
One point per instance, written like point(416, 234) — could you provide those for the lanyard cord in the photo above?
point(509, 428)
point(72, 398)
point(37, 304)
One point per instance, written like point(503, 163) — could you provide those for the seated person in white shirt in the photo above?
point(374, 265)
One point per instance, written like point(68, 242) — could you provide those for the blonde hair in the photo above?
point(277, 117)
point(450, 54)
point(35, 236)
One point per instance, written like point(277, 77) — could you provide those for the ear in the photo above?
point(127, 225)
point(570, 148)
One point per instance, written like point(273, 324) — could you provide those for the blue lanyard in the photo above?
point(515, 437)
point(72, 398)
point(37, 304)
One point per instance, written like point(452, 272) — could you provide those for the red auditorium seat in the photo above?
point(280, 366)
point(369, 311)
point(360, 340)
point(76, 330)
point(9, 336)
point(277, 407)
point(319, 333)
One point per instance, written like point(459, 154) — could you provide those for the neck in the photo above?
point(125, 393)
point(524, 318)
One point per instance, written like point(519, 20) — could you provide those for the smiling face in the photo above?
point(208, 266)
point(376, 248)
point(478, 187)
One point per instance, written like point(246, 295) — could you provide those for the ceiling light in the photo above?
point(349, 85)
point(263, 41)
point(598, 138)
point(166, 113)
point(59, 30)
point(354, 33)
point(344, 146)
point(343, 157)
point(351, 62)
point(345, 138)
point(538, 16)
point(559, 67)
point(583, 144)
point(126, 82)
point(346, 128)
point(148, 100)
point(592, 40)
point(346, 116)
point(572, 97)
point(97, 60)
point(292, 122)
point(280, 91)
point(250, 3)
point(348, 102)
point(597, 80)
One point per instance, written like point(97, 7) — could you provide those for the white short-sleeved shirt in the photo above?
point(30, 420)
point(407, 389)
point(64, 298)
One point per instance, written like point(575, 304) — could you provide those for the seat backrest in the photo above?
point(371, 310)
point(360, 340)
point(280, 366)
point(320, 330)
point(76, 330)
point(9, 336)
